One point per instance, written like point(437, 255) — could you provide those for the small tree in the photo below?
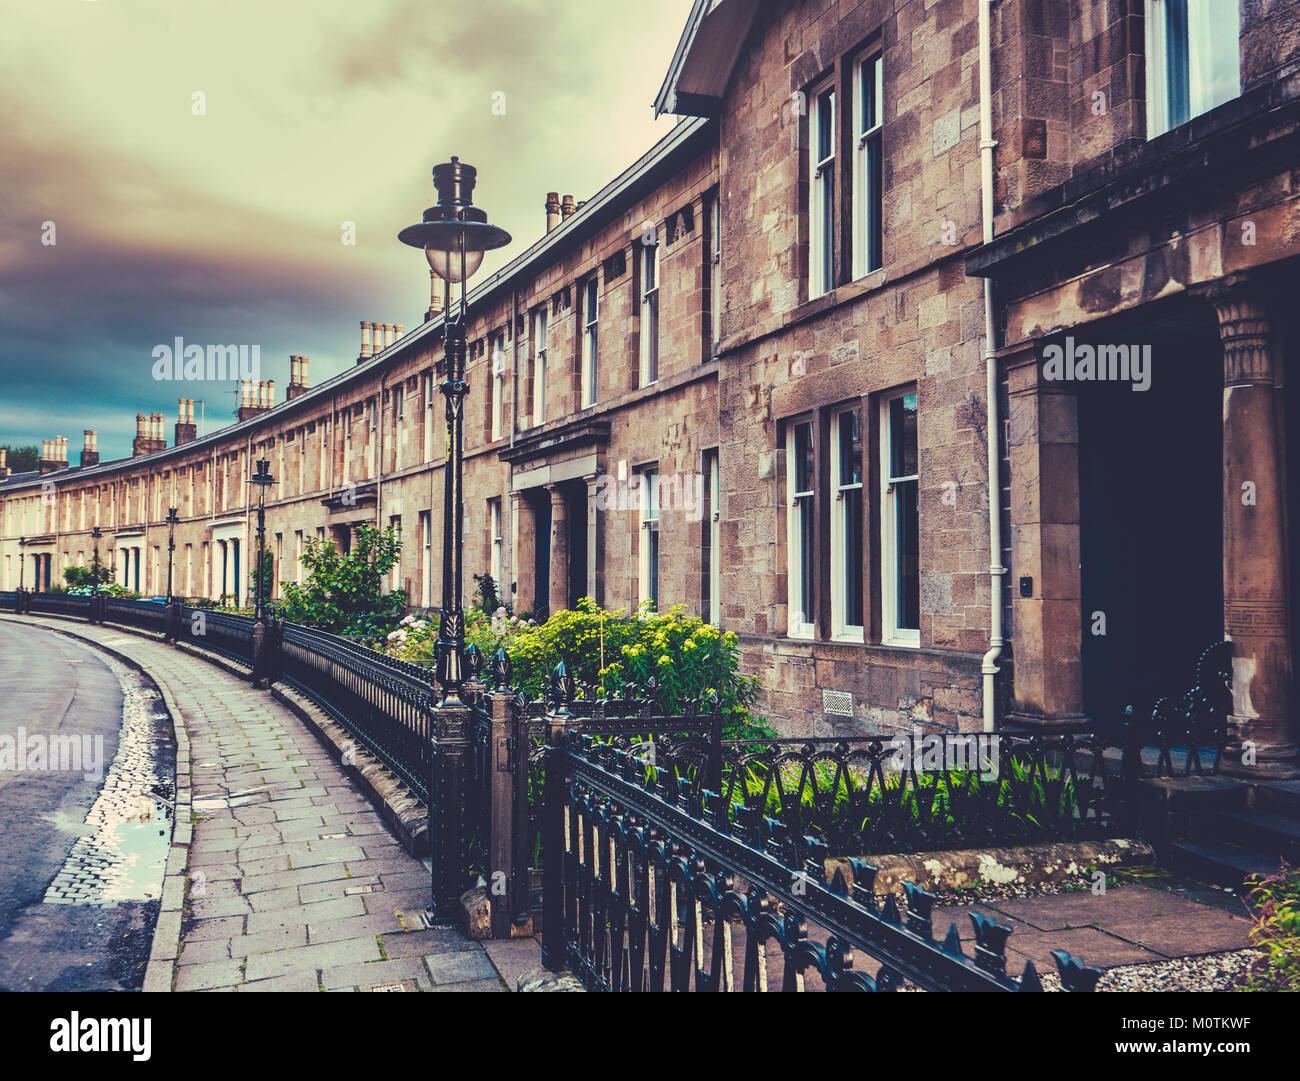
point(77, 577)
point(23, 459)
point(268, 578)
point(489, 597)
point(344, 591)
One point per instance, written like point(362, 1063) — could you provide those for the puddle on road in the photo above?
point(121, 853)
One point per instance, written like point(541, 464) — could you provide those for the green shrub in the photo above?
point(343, 592)
point(1276, 899)
point(610, 651)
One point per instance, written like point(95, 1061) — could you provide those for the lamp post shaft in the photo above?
point(451, 626)
point(171, 547)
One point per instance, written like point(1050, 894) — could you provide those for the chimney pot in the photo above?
point(567, 206)
point(366, 347)
point(552, 210)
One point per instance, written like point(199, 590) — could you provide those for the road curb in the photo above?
point(165, 948)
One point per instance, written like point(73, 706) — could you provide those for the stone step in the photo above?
point(1259, 831)
point(1278, 797)
point(1220, 863)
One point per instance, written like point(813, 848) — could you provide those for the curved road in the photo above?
point(52, 685)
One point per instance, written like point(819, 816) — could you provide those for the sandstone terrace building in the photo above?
point(808, 332)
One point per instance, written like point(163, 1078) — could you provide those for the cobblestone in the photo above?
point(123, 853)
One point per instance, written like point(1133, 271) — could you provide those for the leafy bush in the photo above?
point(610, 651)
point(343, 592)
point(75, 577)
point(1276, 931)
point(106, 589)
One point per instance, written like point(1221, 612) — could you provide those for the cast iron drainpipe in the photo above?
point(989, 668)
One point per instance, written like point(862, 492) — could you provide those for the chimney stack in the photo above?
point(366, 348)
point(552, 210)
point(50, 452)
point(297, 377)
point(255, 398)
point(4, 462)
point(144, 441)
point(435, 296)
point(89, 449)
point(567, 207)
point(186, 431)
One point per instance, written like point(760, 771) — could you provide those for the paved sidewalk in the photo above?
point(294, 882)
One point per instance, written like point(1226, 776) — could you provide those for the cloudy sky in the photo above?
point(219, 218)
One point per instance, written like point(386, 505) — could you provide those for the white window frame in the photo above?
point(868, 124)
point(648, 336)
point(799, 626)
point(891, 633)
point(648, 501)
point(496, 538)
point(1213, 33)
point(395, 572)
point(715, 277)
point(821, 196)
point(426, 379)
point(541, 348)
point(841, 629)
point(590, 341)
point(498, 381)
point(714, 613)
point(426, 559)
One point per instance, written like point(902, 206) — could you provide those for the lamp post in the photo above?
point(263, 479)
point(22, 566)
point(171, 521)
point(96, 534)
point(454, 235)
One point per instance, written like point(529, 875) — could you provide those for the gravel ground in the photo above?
point(1212, 972)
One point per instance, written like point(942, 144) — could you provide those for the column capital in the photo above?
point(1244, 313)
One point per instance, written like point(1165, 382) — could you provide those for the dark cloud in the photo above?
point(226, 228)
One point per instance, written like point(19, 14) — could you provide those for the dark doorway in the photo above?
point(575, 505)
point(541, 507)
point(1151, 549)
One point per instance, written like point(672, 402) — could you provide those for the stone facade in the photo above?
point(1100, 230)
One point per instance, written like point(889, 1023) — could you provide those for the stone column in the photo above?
point(1256, 601)
point(1047, 625)
point(523, 556)
point(559, 550)
point(595, 542)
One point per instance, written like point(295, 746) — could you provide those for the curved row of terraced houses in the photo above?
point(783, 324)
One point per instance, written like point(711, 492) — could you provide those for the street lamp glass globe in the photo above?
point(446, 264)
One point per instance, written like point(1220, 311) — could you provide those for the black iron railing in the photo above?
point(226, 633)
point(911, 792)
point(60, 604)
point(642, 895)
point(386, 703)
point(143, 615)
